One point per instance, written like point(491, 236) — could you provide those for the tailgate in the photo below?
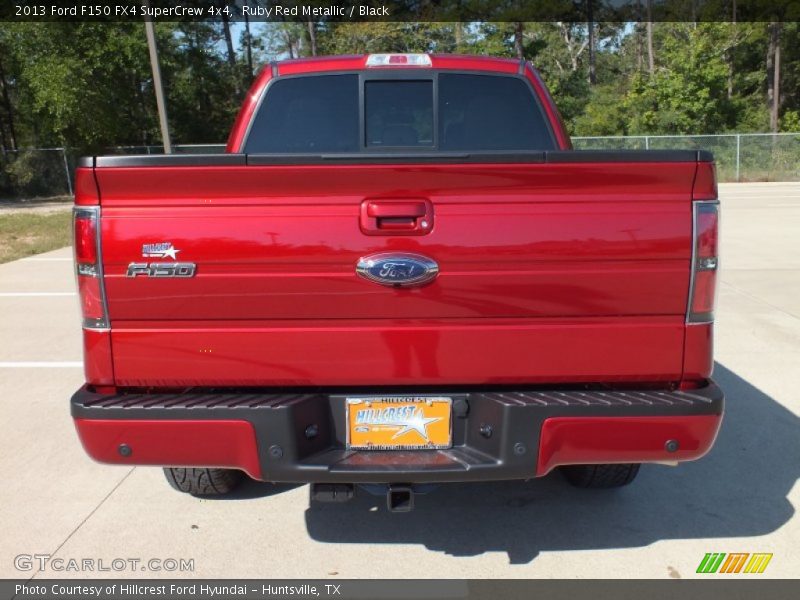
point(548, 272)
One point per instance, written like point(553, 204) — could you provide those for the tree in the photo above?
point(248, 44)
point(311, 28)
point(201, 85)
point(774, 74)
point(651, 55)
point(8, 134)
point(519, 33)
point(81, 83)
point(89, 86)
point(590, 28)
point(365, 38)
point(285, 40)
point(688, 94)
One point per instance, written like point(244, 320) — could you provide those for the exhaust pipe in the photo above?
point(400, 498)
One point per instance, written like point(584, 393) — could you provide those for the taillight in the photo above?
point(705, 261)
point(85, 241)
point(88, 267)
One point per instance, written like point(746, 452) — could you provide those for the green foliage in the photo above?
point(571, 91)
point(688, 94)
point(791, 121)
point(89, 85)
point(203, 91)
point(32, 173)
point(79, 83)
point(604, 114)
point(365, 38)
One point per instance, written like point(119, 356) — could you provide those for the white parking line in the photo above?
point(34, 294)
point(40, 364)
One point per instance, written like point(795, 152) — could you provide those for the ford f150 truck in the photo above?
point(399, 273)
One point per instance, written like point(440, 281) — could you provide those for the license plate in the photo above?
point(399, 423)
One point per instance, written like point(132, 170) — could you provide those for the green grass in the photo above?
point(26, 233)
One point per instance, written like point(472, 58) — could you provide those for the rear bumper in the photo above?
point(265, 434)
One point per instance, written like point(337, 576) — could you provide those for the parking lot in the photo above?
point(742, 497)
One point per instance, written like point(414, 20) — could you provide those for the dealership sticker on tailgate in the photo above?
point(399, 423)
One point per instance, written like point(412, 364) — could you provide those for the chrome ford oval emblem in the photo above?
point(397, 269)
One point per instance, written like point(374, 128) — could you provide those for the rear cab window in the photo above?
point(317, 114)
point(490, 112)
point(352, 113)
point(398, 113)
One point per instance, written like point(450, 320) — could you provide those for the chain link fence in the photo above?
point(739, 156)
point(48, 172)
point(35, 173)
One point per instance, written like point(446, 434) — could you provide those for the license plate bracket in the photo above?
point(399, 422)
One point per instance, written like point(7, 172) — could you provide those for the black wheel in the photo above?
point(600, 476)
point(203, 482)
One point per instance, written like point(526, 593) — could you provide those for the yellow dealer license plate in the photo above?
point(399, 423)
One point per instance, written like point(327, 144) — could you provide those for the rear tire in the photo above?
point(600, 476)
point(203, 482)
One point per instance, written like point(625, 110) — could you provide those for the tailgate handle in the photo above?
point(408, 210)
point(396, 217)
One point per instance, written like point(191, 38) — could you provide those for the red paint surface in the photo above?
point(705, 184)
point(86, 192)
point(521, 244)
point(698, 357)
point(221, 443)
point(232, 443)
point(97, 361)
point(597, 440)
point(397, 352)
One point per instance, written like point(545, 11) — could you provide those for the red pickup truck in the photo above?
point(398, 274)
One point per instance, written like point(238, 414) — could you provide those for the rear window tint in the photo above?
point(486, 112)
point(307, 115)
point(320, 114)
point(399, 113)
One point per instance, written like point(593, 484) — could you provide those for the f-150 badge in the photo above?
point(162, 269)
point(397, 270)
point(160, 250)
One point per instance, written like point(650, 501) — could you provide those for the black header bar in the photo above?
point(401, 10)
point(743, 587)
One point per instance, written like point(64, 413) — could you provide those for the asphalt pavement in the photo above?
point(742, 497)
